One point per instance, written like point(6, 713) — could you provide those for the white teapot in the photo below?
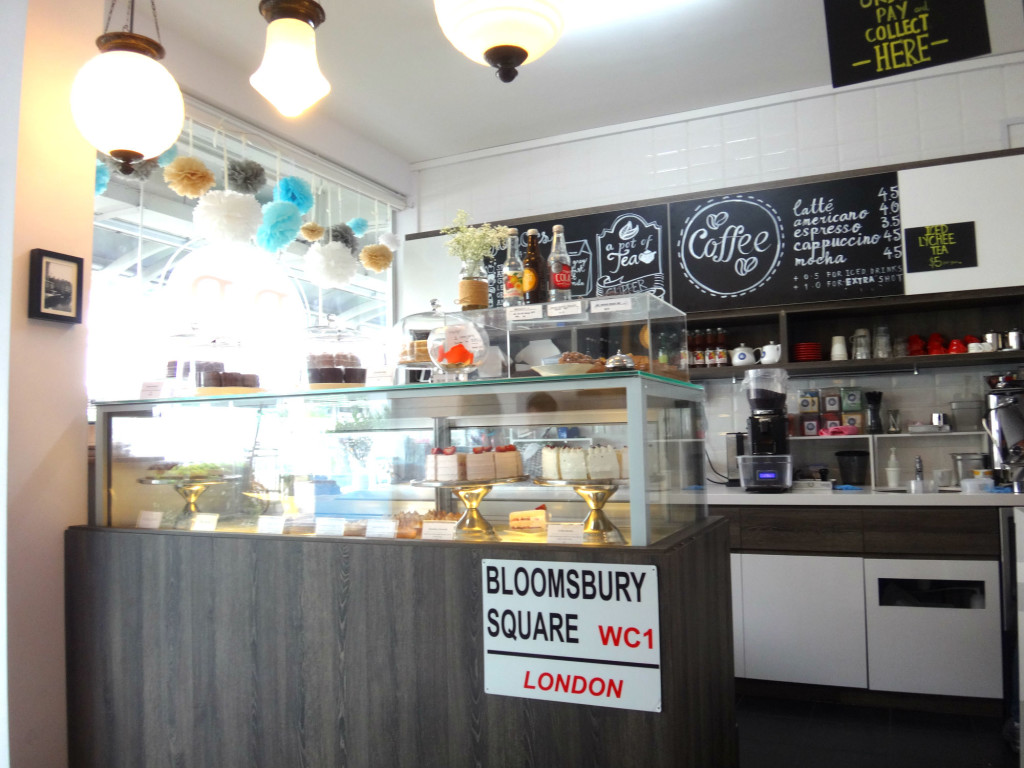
point(769, 353)
point(742, 355)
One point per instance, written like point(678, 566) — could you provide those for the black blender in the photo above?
point(768, 468)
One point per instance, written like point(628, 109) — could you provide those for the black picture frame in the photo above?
point(55, 286)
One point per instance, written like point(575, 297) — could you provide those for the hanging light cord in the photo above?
point(130, 21)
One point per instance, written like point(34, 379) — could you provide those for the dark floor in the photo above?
point(777, 733)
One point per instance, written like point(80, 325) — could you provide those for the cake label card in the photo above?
point(439, 530)
point(330, 526)
point(565, 533)
point(581, 633)
point(563, 308)
point(151, 389)
point(527, 312)
point(205, 521)
point(381, 529)
point(149, 518)
point(270, 524)
point(618, 304)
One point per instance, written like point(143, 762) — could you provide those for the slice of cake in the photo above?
point(480, 464)
point(529, 519)
point(624, 462)
point(603, 463)
point(572, 463)
point(508, 462)
point(450, 465)
point(549, 462)
point(430, 465)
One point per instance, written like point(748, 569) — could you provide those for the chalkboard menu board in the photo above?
point(813, 242)
point(868, 40)
point(941, 246)
point(612, 253)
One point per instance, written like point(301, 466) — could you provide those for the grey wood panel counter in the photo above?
point(198, 650)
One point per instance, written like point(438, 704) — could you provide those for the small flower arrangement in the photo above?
point(471, 245)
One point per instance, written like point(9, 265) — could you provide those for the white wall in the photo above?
point(42, 400)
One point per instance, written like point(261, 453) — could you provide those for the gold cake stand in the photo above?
point(471, 526)
point(190, 489)
point(597, 528)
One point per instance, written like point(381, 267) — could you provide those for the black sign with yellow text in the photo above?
point(871, 39)
point(941, 246)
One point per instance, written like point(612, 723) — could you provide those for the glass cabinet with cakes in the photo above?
point(606, 459)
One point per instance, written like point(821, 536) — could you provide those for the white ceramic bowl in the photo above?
point(563, 369)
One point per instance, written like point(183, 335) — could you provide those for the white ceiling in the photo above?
point(398, 81)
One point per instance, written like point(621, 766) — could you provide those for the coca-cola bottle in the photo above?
point(512, 272)
point(535, 278)
point(559, 267)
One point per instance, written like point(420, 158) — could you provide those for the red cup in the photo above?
point(957, 347)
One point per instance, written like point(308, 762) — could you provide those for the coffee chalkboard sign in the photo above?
point(813, 242)
point(871, 39)
point(612, 253)
point(941, 246)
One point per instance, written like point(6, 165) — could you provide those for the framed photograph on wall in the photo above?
point(55, 286)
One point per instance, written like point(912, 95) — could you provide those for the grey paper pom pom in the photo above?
point(246, 176)
point(342, 233)
point(140, 170)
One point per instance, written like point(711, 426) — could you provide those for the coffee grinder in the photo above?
point(768, 466)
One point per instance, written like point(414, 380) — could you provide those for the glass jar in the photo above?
point(411, 334)
point(473, 286)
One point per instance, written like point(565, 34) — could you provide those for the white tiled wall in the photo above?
point(955, 111)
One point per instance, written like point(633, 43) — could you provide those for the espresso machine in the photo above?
point(1004, 422)
point(767, 467)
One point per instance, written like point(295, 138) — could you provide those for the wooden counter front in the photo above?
point(218, 650)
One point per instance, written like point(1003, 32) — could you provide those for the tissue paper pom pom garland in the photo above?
point(358, 226)
point(390, 239)
point(281, 222)
point(188, 177)
point(376, 257)
point(246, 176)
point(102, 177)
point(331, 265)
point(227, 216)
point(342, 233)
point(311, 231)
point(292, 189)
point(168, 156)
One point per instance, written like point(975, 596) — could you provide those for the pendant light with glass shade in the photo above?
point(502, 33)
point(123, 101)
point(289, 76)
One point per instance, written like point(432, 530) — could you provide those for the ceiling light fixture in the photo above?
point(123, 101)
point(289, 76)
point(502, 33)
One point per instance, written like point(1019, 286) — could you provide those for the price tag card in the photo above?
point(439, 530)
point(205, 521)
point(381, 529)
point(270, 524)
point(330, 526)
point(149, 518)
point(563, 308)
point(527, 312)
point(565, 533)
point(151, 389)
point(617, 304)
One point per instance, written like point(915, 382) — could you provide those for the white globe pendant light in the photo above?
point(501, 33)
point(124, 102)
point(289, 76)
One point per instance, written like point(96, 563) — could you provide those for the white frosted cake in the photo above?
point(480, 465)
point(549, 462)
point(528, 519)
point(451, 466)
point(572, 463)
point(430, 468)
point(602, 463)
point(507, 461)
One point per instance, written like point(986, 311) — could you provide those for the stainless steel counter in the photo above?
point(719, 495)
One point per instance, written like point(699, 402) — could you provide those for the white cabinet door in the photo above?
point(803, 619)
point(736, 568)
point(933, 627)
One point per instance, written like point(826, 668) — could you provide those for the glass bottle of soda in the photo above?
point(512, 272)
point(559, 266)
point(697, 347)
point(535, 279)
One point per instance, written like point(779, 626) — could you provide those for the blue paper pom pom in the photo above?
point(358, 226)
point(292, 189)
point(168, 156)
point(102, 177)
point(281, 222)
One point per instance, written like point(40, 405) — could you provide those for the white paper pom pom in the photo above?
point(331, 266)
point(227, 216)
point(390, 239)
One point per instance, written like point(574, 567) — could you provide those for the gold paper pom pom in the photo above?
point(188, 177)
point(311, 231)
point(376, 257)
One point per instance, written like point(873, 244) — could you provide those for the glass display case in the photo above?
point(599, 459)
